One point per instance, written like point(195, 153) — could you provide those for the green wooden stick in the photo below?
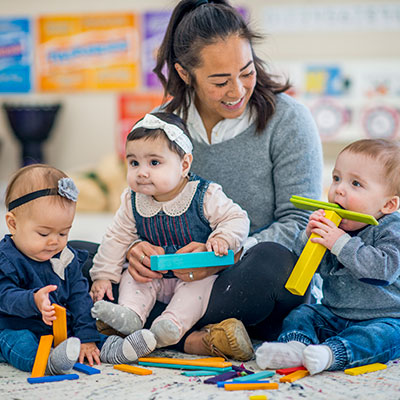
point(313, 205)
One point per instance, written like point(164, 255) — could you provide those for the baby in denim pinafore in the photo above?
point(169, 208)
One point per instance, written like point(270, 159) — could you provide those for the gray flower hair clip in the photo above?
point(68, 189)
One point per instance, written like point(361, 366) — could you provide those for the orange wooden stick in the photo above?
point(42, 355)
point(59, 325)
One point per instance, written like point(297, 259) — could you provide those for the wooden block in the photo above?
point(258, 397)
point(294, 376)
point(181, 366)
point(255, 376)
point(308, 262)
point(53, 378)
point(86, 369)
point(132, 370)
point(199, 373)
point(313, 205)
point(182, 361)
point(223, 383)
point(190, 260)
point(287, 371)
point(59, 325)
point(365, 369)
point(251, 386)
point(42, 355)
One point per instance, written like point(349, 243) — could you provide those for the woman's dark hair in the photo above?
point(146, 133)
point(190, 29)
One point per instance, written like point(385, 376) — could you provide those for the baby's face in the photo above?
point(358, 184)
point(154, 169)
point(42, 230)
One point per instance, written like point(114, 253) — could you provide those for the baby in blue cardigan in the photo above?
point(38, 268)
point(358, 321)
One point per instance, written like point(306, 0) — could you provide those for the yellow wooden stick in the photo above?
point(364, 369)
point(133, 370)
point(42, 355)
point(181, 361)
point(294, 376)
point(59, 325)
point(308, 261)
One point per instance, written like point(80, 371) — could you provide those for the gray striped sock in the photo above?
point(63, 357)
point(121, 351)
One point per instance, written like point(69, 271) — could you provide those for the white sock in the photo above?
point(275, 355)
point(317, 358)
point(117, 350)
point(63, 357)
point(121, 318)
point(166, 333)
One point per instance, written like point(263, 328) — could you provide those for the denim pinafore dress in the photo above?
point(174, 232)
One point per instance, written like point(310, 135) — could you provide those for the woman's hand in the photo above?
point(90, 352)
point(139, 261)
point(99, 288)
point(195, 274)
point(42, 301)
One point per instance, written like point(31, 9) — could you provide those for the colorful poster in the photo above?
point(132, 107)
point(15, 55)
point(88, 52)
point(154, 27)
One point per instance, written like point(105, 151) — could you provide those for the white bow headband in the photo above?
point(174, 133)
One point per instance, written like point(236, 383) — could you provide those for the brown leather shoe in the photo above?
point(106, 329)
point(229, 339)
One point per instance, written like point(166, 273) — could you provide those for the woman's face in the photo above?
point(225, 80)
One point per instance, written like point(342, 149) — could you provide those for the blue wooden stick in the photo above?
point(190, 260)
point(86, 369)
point(53, 378)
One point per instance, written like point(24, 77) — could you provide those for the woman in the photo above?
point(261, 146)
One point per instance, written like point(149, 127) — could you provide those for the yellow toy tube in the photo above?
point(308, 261)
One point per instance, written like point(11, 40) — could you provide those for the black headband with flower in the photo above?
point(66, 188)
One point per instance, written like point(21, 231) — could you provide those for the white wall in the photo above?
point(86, 126)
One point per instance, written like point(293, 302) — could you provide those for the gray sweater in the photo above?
point(262, 172)
point(361, 275)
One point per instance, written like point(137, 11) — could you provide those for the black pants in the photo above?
point(252, 290)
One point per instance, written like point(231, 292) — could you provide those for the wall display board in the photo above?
point(349, 100)
point(132, 107)
point(339, 17)
point(154, 25)
point(15, 55)
point(88, 52)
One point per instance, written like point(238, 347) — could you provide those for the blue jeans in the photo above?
point(353, 343)
point(19, 348)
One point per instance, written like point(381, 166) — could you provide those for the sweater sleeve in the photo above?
point(15, 300)
point(296, 155)
point(227, 219)
point(376, 264)
point(108, 262)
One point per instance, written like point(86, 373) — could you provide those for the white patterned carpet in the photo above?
point(169, 384)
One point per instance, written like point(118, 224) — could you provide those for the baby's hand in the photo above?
point(100, 288)
point(329, 233)
point(91, 352)
point(218, 245)
point(315, 217)
point(42, 301)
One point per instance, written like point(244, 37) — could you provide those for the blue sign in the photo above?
point(15, 55)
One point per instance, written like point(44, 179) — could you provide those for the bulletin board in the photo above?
point(15, 55)
point(88, 52)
